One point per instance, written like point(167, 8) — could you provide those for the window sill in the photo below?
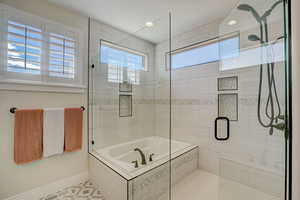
point(36, 86)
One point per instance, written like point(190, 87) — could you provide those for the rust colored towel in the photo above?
point(28, 136)
point(73, 129)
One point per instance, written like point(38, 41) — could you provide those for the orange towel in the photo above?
point(28, 135)
point(73, 129)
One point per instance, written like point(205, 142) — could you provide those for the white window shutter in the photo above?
point(24, 50)
point(61, 56)
point(37, 51)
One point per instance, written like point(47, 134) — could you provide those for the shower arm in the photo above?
point(268, 12)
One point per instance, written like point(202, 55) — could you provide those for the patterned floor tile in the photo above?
point(83, 191)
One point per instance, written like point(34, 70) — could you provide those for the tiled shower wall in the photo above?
point(108, 127)
point(251, 156)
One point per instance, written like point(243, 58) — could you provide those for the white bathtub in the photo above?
point(119, 157)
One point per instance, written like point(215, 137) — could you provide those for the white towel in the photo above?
point(53, 132)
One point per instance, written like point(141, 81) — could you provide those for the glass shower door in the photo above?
point(228, 106)
point(129, 95)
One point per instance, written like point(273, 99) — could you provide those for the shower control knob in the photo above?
point(151, 157)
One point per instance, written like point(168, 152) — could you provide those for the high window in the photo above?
point(206, 52)
point(123, 64)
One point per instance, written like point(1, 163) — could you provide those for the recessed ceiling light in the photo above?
point(232, 22)
point(149, 24)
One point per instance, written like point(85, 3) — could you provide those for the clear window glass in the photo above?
point(205, 53)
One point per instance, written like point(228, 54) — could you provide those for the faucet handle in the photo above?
point(151, 157)
point(136, 164)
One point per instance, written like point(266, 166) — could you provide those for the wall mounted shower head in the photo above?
point(268, 12)
point(245, 7)
point(253, 38)
point(248, 8)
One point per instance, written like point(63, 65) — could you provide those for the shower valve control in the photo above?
point(151, 157)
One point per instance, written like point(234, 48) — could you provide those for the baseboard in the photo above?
point(44, 190)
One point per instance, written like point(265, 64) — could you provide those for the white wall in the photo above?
point(20, 178)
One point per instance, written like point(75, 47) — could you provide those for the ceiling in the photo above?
point(131, 15)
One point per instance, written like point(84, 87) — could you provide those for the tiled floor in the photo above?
point(83, 191)
point(196, 186)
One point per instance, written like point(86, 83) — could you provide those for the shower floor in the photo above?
point(204, 185)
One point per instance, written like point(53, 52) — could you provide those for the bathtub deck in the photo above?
point(201, 185)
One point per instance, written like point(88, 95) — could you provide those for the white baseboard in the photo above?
point(44, 190)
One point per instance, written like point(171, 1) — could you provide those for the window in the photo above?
point(206, 52)
point(61, 56)
point(256, 55)
point(24, 47)
point(36, 51)
point(124, 65)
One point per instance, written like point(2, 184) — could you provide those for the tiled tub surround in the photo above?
point(119, 157)
point(253, 157)
point(112, 168)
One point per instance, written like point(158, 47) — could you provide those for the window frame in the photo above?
point(200, 44)
point(42, 81)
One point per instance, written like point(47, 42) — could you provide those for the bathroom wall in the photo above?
point(107, 127)
point(251, 156)
point(20, 178)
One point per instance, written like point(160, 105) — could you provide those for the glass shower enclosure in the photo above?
point(191, 112)
point(229, 100)
point(128, 159)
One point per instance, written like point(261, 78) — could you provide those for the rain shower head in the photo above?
point(248, 8)
point(253, 38)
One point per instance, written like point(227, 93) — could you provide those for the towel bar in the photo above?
point(13, 109)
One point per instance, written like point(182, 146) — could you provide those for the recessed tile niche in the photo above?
point(125, 105)
point(228, 83)
point(228, 106)
point(125, 87)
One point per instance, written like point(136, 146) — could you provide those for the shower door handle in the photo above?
point(227, 129)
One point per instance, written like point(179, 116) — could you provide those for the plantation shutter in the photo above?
point(24, 50)
point(61, 56)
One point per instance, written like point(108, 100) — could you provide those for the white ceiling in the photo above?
point(131, 15)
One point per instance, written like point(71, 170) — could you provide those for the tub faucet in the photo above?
point(142, 155)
